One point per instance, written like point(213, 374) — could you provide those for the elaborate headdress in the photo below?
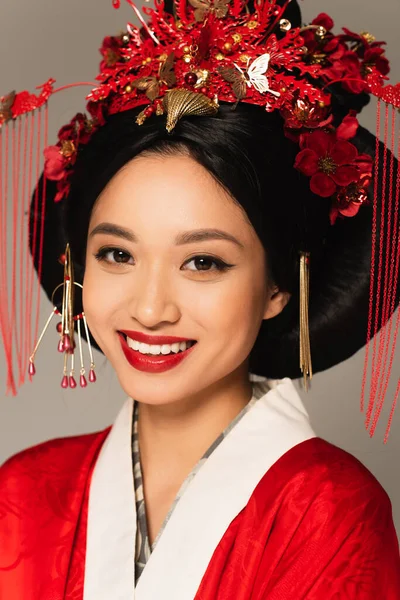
point(208, 52)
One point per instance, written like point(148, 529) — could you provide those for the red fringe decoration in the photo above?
point(384, 275)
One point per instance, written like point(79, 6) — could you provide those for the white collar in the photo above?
point(219, 491)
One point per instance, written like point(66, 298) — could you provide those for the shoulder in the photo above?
point(55, 459)
point(328, 480)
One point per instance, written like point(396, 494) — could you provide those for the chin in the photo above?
point(155, 389)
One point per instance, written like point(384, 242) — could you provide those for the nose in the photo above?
point(153, 299)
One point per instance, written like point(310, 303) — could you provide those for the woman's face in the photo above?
point(171, 254)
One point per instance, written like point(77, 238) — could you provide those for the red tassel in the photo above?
point(385, 261)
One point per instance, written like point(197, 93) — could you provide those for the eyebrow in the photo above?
point(185, 237)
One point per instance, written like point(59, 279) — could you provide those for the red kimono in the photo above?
point(275, 513)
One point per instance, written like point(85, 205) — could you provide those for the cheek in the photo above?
point(101, 300)
point(232, 312)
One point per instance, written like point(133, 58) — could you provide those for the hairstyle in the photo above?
point(247, 153)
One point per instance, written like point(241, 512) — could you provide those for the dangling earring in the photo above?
point(66, 331)
point(305, 350)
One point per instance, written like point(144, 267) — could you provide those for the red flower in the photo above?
point(349, 200)
point(373, 57)
point(356, 69)
point(348, 127)
point(55, 163)
point(353, 79)
point(330, 162)
point(63, 188)
point(97, 111)
point(78, 130)
point(111, 52)
point(326, 50)
point(304, 114)
point(362, 41)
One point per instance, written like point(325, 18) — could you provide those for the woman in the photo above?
point(186, 233)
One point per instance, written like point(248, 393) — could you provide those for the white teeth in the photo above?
point(155, 349)
point(158, 349)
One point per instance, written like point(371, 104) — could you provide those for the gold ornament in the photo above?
point(187, 58)
point(202, 7)
point(304, 331)
point(237, 38)
point(321, 32)
point(179, 102)
point(5, 107)
point(220, 56)
point(368, 37)
point(285, 25)
point(67, 148)
point(203, 76)
point(252, 24)
point(151, 85)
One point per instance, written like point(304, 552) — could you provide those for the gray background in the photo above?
point(50, 38)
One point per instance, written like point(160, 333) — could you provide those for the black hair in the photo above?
point(247, 152)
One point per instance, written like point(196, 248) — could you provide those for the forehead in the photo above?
point(159, 193)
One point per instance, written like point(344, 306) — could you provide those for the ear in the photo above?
point(275, 303)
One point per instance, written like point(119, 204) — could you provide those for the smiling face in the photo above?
point(170, 253)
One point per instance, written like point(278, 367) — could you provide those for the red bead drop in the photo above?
point(64, 382)
point(92, 376)
point(31, 369)
point(61, 347)
point(67, 343)
point(203, 90)
point(72, 382)
point(59, 327)
point(82, 381)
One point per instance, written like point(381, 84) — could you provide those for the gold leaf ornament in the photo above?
point(180, 102)
point(166, 72)
point(5, 107)
point(151, 85)
point(236, 79)
point(203, 7)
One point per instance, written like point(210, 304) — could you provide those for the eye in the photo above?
point(204, 263)
point(113, 256)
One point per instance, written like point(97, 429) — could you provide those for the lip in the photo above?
point(153, 339)
point(151, 363)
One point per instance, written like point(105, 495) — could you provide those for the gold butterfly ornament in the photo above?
point(151, 85)
point(254, 75)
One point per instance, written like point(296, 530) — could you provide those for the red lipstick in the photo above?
point(151, 363)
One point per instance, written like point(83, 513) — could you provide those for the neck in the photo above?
point(175, 437)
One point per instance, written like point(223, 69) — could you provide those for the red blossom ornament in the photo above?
point(305, 114)
point(55, 163)
point(330, 162)
point(349, 200)
point(111, 52)
point(63, 188)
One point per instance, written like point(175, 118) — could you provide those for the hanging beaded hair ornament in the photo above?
point(213, 51)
